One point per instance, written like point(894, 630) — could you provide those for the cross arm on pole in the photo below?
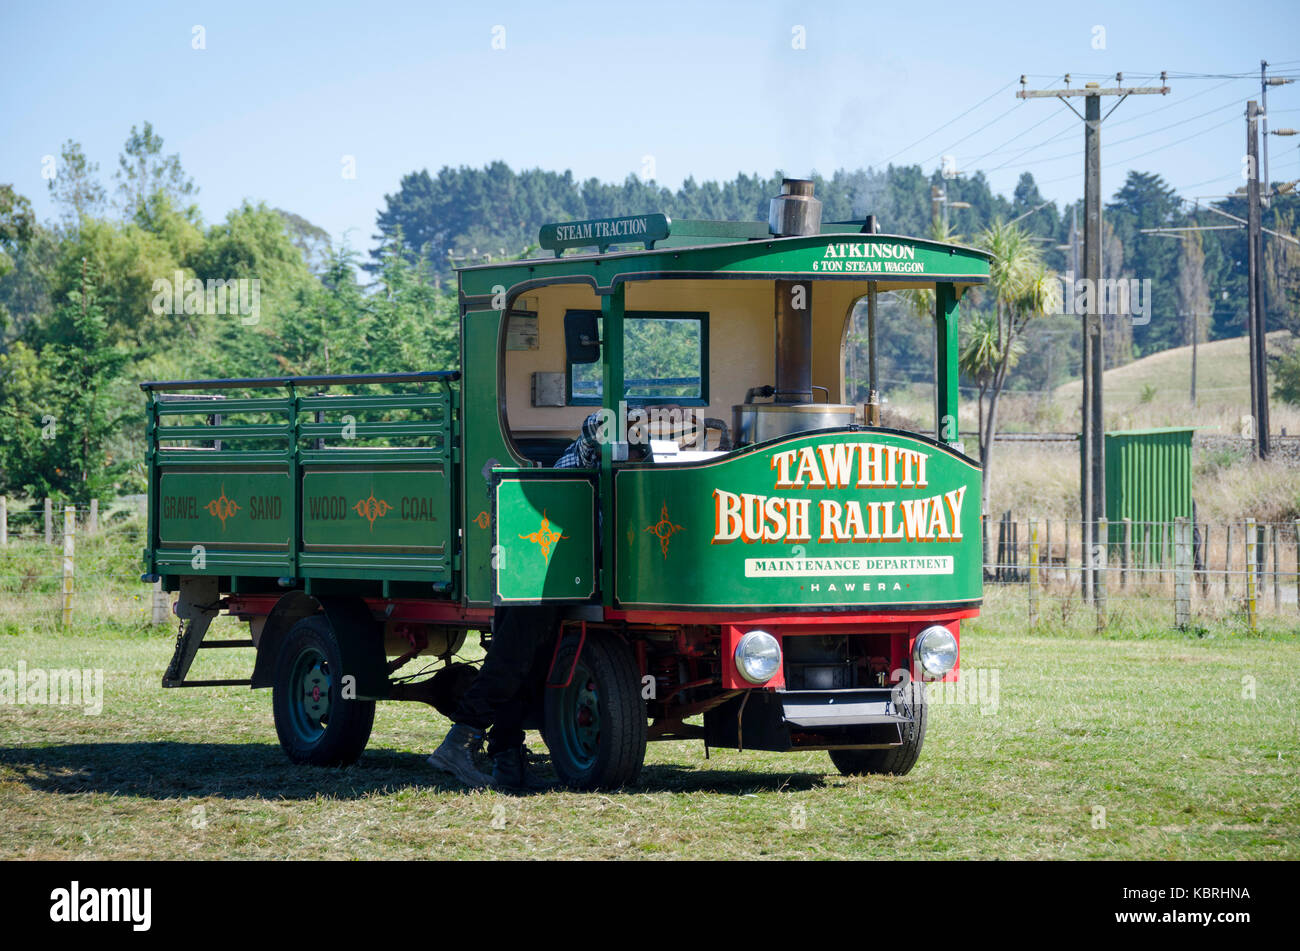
point(1093, 91)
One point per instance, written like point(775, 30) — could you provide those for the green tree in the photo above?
point(85, 365)
point(58, 410)
point(75, 186)
point(145, 173)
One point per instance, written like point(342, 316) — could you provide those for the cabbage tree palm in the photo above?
point(1022, 289)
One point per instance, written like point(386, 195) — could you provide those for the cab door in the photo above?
point(544, 536)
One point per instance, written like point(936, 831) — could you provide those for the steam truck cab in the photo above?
point(752, 560)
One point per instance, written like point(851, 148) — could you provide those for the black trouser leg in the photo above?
point(499, 696)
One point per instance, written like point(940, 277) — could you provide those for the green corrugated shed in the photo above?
point(1148, 478)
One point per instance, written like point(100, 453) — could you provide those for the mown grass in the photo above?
point(1187, 741)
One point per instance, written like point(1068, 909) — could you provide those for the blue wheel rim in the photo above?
point(580, 722)
point(309, 695)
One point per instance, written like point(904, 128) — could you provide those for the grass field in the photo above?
point(1150, 392)
point(1188, 743)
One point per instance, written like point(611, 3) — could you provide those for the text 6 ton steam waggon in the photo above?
point(749, 559)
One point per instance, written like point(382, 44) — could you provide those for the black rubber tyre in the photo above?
point(595, 727)
point(315, 724)
point(896, 760)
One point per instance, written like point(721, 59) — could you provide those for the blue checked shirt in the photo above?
point(583, 452)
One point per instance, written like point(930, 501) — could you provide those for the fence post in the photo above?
point(1065, 562)
point(1033, 572)
point(1251, 554)
point(161, 603)
point(49, 522)
point(1100, 559)
point(92, 524)
point(69, 534)
point(1205, 559)
point(1182, 574)
point(1047, 545)
point(4, 521)
point(1227, 564)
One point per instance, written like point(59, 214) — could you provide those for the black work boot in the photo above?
point(510, 770)
point(456, 756)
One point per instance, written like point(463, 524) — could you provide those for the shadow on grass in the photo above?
point(172, 770)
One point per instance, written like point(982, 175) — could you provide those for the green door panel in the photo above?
point(545, 536)
point(842, 520)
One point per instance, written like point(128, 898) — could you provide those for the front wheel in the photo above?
point(896, 760)
point(315, 724)
point(595, 727)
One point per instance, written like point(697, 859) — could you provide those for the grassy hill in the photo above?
point(1155, 391)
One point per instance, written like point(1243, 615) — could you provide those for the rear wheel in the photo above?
point(895, 760)
point(315, 724)
point(595, 727)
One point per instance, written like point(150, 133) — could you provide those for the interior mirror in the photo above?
point(581, 337)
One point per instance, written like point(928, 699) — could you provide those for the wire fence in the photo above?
point(63, 564)
point(1194, 569)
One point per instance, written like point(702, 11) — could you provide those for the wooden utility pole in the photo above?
point(1092, 465)
point(1255, 280)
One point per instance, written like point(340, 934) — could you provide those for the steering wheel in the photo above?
point(683, 425)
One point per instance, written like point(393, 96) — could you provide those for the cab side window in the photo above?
point(665, 360)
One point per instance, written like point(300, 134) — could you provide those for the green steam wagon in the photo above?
point(749, 558)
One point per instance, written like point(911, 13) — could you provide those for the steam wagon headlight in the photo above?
point(936, 649)
point(758, 657)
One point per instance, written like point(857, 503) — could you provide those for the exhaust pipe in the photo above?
point(795, 211)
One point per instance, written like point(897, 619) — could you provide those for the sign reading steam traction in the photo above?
point(858, 519)
point(602, 232)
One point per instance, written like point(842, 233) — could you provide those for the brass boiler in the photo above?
point(759, 422)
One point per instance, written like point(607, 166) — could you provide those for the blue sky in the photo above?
point(281, 93)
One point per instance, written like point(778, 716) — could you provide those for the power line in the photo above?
point(996, 149)
point(1173, 104)
point(976, 132)
point(949, 122)
point(1159, 148)
point(1142, 135)
point(1208, 181)
point(1014, 160)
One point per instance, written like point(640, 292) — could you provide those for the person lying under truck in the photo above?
point(497, 702)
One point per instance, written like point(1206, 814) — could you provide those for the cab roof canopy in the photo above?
point(845, 251)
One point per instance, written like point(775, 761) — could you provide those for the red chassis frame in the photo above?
point(901, 626)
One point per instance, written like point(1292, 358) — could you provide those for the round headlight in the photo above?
point(758, 657)
point(936, 650)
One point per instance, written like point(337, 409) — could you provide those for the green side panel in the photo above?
point(376, 521)
point(221, 509)
point(483, 442)
point(1148, 479)
point(545, 537)
point(846, 520)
